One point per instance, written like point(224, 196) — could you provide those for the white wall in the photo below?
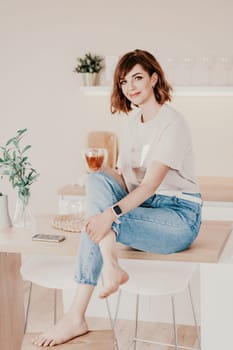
point(39, 43)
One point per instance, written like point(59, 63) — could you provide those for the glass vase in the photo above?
point(23, 217)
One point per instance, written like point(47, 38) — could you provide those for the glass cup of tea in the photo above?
point(95, 158)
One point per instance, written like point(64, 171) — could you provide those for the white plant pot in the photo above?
point(5, 220)
point(89, 79)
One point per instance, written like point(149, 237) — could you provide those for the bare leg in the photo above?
point(72, 324)
point(113, 274)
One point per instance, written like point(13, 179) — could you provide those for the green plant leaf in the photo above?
point(10, 141)
point(24, 160)
point(89, 64)
point(21, 131)
point(16, 166)
point(15, 143)
point(33, 178)
point(6, 155)
point(26, 148)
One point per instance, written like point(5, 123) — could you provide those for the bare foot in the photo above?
point(66, 329)
point(113, 277)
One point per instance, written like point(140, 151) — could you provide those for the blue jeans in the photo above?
point(162, 224)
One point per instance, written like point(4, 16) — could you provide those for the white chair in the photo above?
point(54, 272)
point(156, 278)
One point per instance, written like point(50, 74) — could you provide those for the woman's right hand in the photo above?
point(99, 225)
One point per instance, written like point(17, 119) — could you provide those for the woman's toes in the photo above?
point(108, 291)
point(47, 342)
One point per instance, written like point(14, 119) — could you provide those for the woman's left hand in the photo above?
point(99, 225)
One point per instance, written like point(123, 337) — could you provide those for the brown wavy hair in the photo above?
point(162, 89)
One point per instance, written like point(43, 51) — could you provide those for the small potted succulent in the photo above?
point(89, 66)
point(15, 164)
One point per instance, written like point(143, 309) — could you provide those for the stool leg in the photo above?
point(117, 307)
point(55, 307)
point(28, 306)
point(112, 323)
point(174, 321)
point(110, 319)
point(136, 322)
point(194, 317)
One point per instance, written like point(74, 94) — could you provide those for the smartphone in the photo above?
point(48, 238)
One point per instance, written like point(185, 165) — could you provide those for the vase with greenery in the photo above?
point(15, 164)
point(89, 66)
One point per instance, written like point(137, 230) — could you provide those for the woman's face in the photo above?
point(137, 85)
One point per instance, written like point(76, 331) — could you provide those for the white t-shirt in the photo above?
point(167, 139)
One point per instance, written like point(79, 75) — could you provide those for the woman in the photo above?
point(153, 206)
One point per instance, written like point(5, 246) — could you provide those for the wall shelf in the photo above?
point(177, 90)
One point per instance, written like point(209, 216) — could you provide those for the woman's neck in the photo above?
point(149, 110)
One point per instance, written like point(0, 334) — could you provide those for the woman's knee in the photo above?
point(99, 188)
point(102, 192)
point(96, 179)
point(100, 183)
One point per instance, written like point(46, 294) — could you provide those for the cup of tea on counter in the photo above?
point(95, 158)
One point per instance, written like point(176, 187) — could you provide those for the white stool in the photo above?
point(156, 278)
point(54, 272)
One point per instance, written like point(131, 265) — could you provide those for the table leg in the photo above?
point(11, 302)
point(216, 306)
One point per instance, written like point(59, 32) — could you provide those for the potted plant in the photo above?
point(89, 66)
point(15, 164)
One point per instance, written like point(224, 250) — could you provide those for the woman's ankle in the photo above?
point(75, 315)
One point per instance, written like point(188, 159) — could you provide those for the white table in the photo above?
point(216, 286)
point(13, 242)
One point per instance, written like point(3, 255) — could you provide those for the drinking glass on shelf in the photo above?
point(227, 64)
point(207, 63)
point(95, 158)
point(170, 65)
point(189, 64)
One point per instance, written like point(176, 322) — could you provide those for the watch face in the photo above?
point(117, 210)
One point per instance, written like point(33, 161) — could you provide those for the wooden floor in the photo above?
point(41, 317)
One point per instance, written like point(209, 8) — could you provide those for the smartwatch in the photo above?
point(117, 211)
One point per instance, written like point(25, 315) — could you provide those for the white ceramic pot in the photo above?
point(5, 220)
point(89, 79)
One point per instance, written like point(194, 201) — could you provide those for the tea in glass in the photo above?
point(95, 158)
